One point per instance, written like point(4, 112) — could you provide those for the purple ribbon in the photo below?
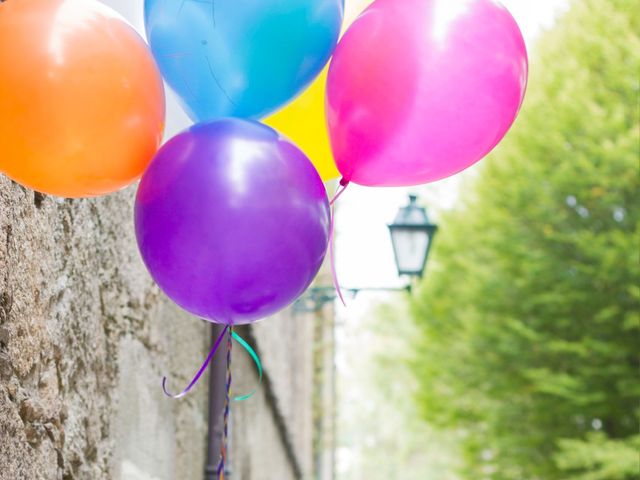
point(200, 372)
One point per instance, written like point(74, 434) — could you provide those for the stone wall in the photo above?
point(85, 337)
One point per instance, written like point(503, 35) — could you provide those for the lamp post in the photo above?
point(412, 236)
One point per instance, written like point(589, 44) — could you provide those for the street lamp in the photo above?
point(412, 236)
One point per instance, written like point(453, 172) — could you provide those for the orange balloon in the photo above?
point(81, 98)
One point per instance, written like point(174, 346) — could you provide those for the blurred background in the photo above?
point(495, 339)
point(516, 355)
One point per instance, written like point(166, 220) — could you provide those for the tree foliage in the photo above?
point(529, 314)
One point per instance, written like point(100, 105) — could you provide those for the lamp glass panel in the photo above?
point(410, 246)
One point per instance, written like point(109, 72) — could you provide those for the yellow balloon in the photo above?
point(303, 120)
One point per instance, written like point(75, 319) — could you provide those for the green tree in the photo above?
point(529, 315)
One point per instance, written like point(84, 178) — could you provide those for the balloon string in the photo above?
point(225, 429)
point(332, 230)
point(206, 363)
point(339, 191)
point(224, 449)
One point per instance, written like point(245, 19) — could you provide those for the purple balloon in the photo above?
point(232, 221)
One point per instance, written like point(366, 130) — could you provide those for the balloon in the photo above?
point(81, 99)
point(421, 89)
point(303, 121)
point(232, 221)
point(242, 58)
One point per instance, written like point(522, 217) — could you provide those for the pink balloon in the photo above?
point(421, 89)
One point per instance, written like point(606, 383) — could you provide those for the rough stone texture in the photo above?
point(85, 337)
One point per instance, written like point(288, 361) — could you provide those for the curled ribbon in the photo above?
point(256, 360)
point(207, 361)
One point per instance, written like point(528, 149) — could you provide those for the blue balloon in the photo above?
point(241, 58)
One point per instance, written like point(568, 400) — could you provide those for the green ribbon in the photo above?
point(256, 360)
